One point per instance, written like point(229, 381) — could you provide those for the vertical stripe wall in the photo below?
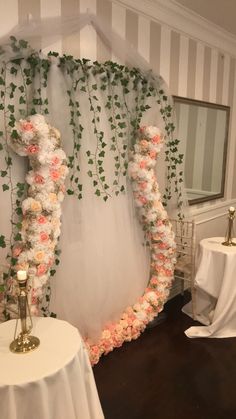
point(190, 67)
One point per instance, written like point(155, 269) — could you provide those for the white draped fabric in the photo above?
point(54, 381)
point(104, 264)
point(215, 287)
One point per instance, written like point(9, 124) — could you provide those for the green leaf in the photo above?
point(2, 241)
point(5, 187)
point(105, 198)
point(18, 211)
point(14, 134)
point(88, 153)
point(90, 161)
point(70, 192)
point(11, 108)
point(18, 237)
point(52, 272)
point(3, 173)
point(98, 193)
point(23, 43)
point(22, 100)
point(89, 173)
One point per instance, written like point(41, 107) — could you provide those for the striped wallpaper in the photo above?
point(191, 68)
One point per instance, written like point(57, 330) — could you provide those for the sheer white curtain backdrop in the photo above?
point(104, 264)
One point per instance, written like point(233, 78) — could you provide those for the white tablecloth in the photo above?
point(216, 290)
point(54, 381)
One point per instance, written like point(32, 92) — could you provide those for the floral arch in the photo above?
point(34, 137)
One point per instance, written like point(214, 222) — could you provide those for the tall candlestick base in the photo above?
point(229, 233)
point(24, 344)
point(229, 243)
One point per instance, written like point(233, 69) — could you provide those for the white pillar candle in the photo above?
point(231, 209)
point(21, 275)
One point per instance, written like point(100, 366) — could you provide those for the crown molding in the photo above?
point(187, 22)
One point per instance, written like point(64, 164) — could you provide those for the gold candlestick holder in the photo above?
point(24, 342)
point(229, 233)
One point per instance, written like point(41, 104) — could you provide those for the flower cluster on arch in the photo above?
point(160, 236)
point(40, 229)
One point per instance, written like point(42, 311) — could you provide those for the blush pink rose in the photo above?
point(142, 199)
point(27, 126)
point(43, 236)
point(51, 261)
point(16, 252)
point(42, 269)
point(55, 175)
point(42, 219)
point(55, 161)
point(161, 256)
point(153, 154)
point(143, 185)
point(39, 179)
point(156, 139)
point(32, 149)
point(154, 281)
point(142, 164)
point(142, 129)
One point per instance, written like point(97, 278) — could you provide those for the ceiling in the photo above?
point(220, 12)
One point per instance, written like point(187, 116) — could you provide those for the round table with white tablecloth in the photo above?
point(215, 290)
point(55, 381)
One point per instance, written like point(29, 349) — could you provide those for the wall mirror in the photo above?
point(202, 129)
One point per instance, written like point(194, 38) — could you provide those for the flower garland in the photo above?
point(157, 227)
point(40, 228)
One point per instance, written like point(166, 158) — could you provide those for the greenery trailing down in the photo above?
point(115, 95)
point(23, 83)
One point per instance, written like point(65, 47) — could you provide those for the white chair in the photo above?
point(185, 256)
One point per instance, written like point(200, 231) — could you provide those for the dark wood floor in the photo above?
point(165, 375)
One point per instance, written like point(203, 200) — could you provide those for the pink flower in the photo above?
point(39, 179)
point(156, 139)
point(142, 199)
point(153, 154)
point(154, 281)
point(42, 219)
point(42, 269)
point(143, 185)
point(142, 129)
point(161, 256)
point(43, 237)
point(27, 126)
point(55, 161)
point(32, 149)
point(55, 175)
point(51, 261)
point(162, 246)
point(143, 164)
point(16, 252)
